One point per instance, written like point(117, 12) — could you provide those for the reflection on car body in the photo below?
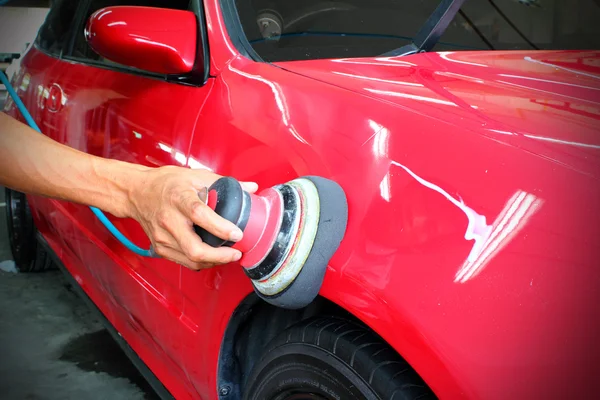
point(469, 267)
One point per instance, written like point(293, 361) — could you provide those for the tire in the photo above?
point(28, 254)
point(331, 358)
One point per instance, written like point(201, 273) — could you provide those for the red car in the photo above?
point(466, 137)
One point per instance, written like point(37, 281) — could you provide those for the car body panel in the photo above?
point(515, 97)
point(471, 244)
point(129, 118)
point(414, 181)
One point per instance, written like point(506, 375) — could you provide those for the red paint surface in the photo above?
point(128, 35)
point(422, 145)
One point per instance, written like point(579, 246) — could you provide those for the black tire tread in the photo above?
point(42, 261)
point(36, 258)
point(388, 374)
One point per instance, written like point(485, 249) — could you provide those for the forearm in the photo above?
point(32, 163)
point(163, 200)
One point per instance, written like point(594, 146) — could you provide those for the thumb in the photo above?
point(203, 178)
point(250, 187)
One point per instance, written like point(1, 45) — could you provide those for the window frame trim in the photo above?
point(235, 31)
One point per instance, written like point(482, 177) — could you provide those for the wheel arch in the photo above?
point(398, 330)
point(254, 323)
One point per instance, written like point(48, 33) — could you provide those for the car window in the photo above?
point(281, 30)
point(293, 29)
point(524, 25)
point(55, 31)
point(81, 49)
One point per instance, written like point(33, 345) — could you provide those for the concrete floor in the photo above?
point(51, 346)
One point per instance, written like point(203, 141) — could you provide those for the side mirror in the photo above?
point(158, 40)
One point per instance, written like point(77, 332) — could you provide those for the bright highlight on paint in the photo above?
point(488, 239)
point(514, 216)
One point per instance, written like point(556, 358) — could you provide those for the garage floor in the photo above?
point(51, 346)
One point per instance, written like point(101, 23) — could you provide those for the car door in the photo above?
point(30, 84)
point(116, 112)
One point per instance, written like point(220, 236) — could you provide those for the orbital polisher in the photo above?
point(291, 231)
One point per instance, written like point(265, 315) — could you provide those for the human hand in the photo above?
point(166, 203)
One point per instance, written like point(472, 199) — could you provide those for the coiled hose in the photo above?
point(99, 214)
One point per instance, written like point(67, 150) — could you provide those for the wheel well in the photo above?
point(251, 327)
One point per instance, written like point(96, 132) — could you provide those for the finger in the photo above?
point(160, 237)
point(178, 258)
point(202, 257)
point(203, 178)
point(250, 187)
point(190, 244)
point(213, 255)
point(170, 251)
point(202, 215)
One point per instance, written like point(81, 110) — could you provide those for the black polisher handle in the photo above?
point(226, 197)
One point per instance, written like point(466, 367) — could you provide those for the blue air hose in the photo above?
point(99, 214)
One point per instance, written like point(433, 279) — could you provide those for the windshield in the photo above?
point(283, 30)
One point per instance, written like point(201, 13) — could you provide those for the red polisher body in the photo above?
point(290, 233)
